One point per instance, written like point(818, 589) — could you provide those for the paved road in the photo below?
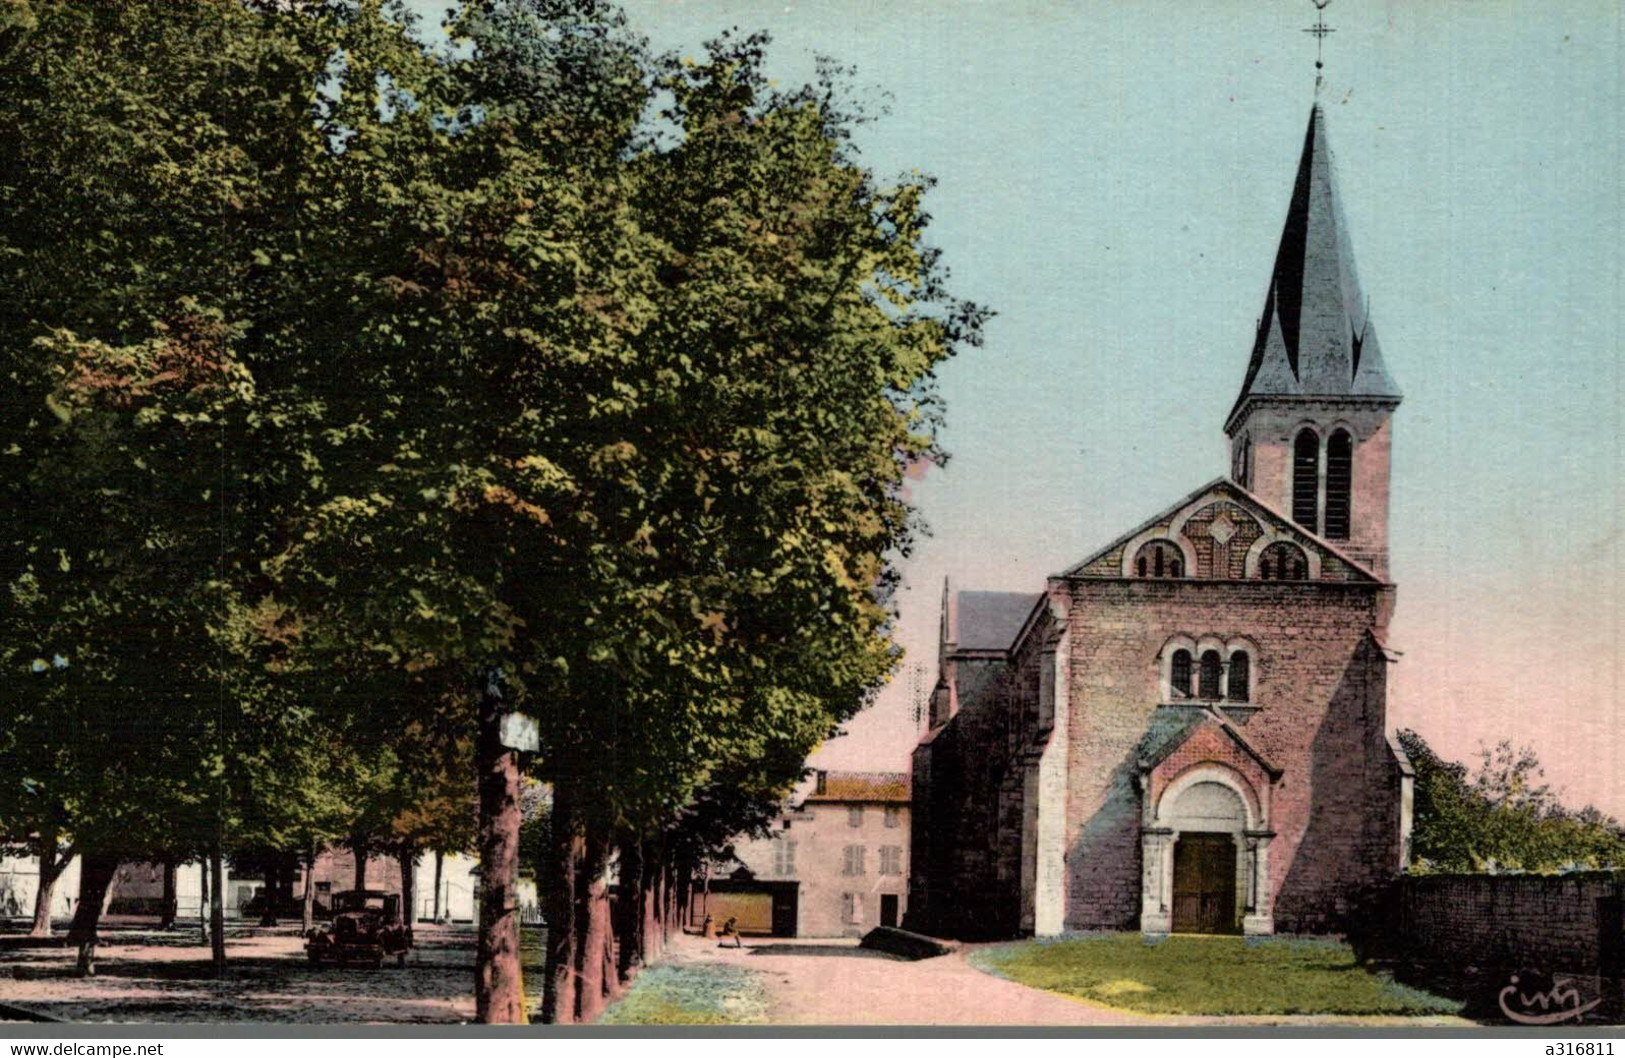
point(834, 982)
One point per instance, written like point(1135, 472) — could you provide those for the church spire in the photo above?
point(1315, 338)
point(1311, 431)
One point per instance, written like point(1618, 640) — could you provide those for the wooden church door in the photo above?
point(1204, 884)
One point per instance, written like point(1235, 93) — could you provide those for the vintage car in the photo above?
point(366, 928)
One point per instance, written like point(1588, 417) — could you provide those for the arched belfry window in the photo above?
point(1339, 484)
point(1212, 666)
point(1159, 558)
point(1240, 458)
point(1179, 674)
point(1283, 561)
point(1306, 479)
point(1240, 676)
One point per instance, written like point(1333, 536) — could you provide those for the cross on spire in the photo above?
point(1320, 29)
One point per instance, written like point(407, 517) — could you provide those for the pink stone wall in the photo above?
point(1321, 692)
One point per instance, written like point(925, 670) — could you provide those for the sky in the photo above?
point(1112, 179)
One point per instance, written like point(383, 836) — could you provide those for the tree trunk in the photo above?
point(646, 889)
point(668, 888)
point(95, 880)
point(307, 916)
point(558, 882)
point(439, 864)
point(52, 862)
point(361, 866)
point(409, 865)
point(203, 900)
point(593, 926)
point(273, 889)
point(217, 912)
point(171, 905)
point(629, 911)
point(499, 994)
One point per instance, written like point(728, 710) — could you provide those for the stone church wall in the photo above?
point(1319, 716)
point(970, 803)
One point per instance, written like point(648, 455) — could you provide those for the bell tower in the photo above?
point(1310, 433)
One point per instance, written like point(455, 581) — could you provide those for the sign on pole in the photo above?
point(519, 732)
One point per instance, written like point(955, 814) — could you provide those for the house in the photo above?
point(138, 887)
point(1187, 729)
point(834, 865)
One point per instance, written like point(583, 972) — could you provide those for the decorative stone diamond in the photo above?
point(1222, 529)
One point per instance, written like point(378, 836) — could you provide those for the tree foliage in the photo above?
point(348, 375)
point(1501, 816)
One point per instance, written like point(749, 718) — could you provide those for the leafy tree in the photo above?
point(157, 247)
point(535, 372)
point(1501, 817)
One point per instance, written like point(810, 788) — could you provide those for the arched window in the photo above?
point(1283, 561)
point(1339, 484)
point(1209, 679)
point(1179, 674)
point(1159, 558)
point(1306, 479)
point(1240, 676)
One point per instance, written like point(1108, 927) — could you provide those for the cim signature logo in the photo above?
point(1562, 1003)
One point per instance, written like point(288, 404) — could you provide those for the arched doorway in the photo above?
point(1203, 859)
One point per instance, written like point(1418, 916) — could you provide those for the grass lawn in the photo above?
point(679, 993)
point(1209, 975)
point(673, 993)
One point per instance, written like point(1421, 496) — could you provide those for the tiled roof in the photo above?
point(989, 620)
point(887, 786)
point(1314, 338)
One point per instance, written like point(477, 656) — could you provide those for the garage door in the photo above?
point(754, 911)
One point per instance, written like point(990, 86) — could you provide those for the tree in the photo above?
point(158, 163)
point(535, 373)
point(1501, 817)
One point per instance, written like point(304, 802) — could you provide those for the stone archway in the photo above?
point(1205, 857)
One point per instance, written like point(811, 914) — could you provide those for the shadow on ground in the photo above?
point(821, 950)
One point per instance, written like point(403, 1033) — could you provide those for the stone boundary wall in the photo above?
point(1468, 934)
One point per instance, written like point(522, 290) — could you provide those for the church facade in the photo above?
point(1187, 730)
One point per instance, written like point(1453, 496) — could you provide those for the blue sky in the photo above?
point(1112, 181)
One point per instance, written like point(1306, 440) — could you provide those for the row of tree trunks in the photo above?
point(596, 945)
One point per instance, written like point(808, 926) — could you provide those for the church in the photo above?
point(1186, 731)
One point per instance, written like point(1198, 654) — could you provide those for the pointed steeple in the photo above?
point(1315, 338)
